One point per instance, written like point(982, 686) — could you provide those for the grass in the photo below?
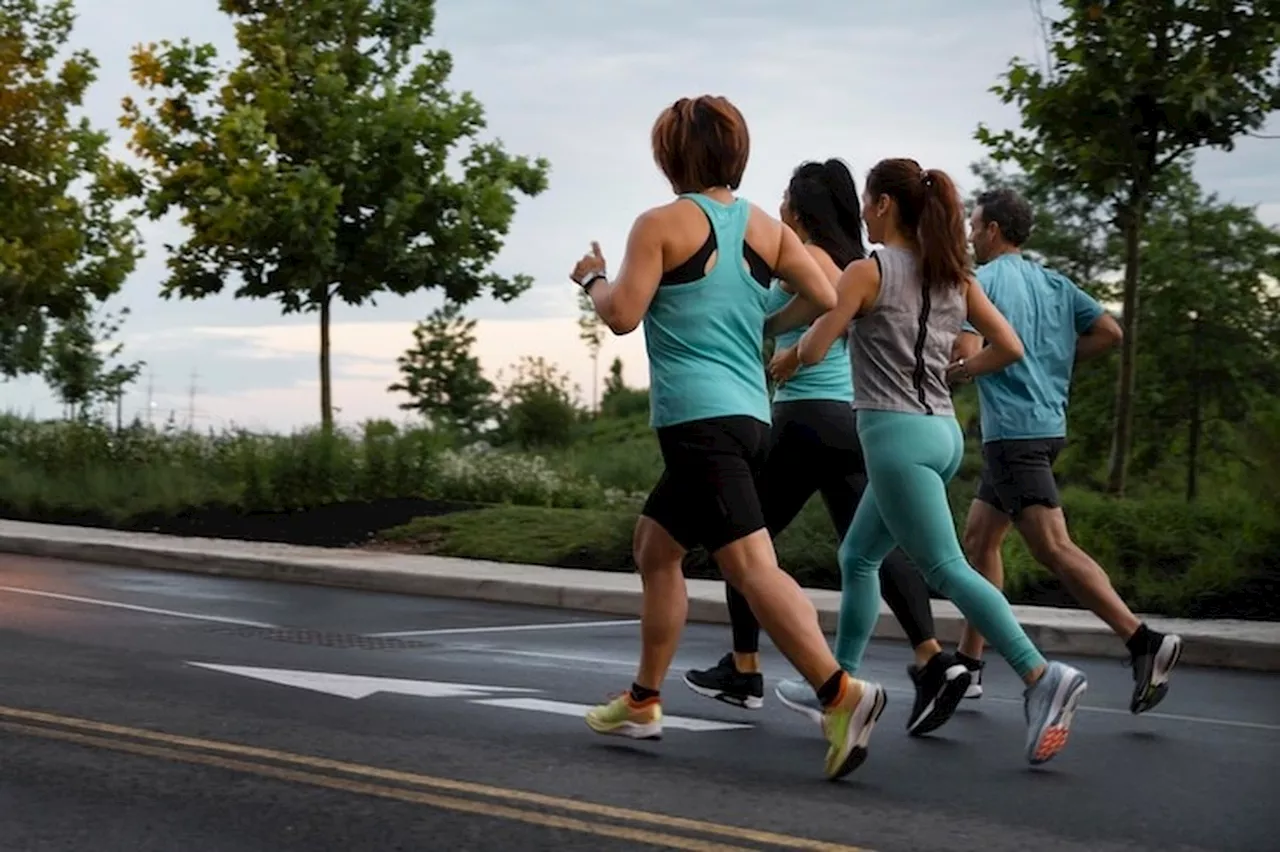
point(1161, 560)
point(575, 507)
point(523, 534)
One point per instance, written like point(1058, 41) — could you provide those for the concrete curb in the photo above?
point(1228, 644)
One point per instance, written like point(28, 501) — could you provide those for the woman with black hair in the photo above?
point(814, 448)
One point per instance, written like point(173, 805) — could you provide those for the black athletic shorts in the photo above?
point(1018, 474)
point(708, 492)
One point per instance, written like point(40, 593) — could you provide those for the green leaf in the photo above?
point(317, 169)
point(68, 240)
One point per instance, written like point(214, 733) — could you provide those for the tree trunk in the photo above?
point(1122, 438)
point(326, 391)
point(1194, 426)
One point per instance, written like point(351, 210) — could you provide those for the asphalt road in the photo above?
point(146, 711)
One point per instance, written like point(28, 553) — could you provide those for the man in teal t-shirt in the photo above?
point(1024, 427)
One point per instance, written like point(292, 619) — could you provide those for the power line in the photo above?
point(1046, 42)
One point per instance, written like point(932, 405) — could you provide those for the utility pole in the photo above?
point(191, 401)
point(151, 390)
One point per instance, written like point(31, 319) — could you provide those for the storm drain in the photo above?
point(298, 636)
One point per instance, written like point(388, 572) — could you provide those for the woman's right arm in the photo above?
point(1004, 346)
point(797, 267)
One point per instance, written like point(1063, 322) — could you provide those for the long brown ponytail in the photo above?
point(929, 208)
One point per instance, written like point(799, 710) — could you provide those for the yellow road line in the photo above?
point(488, 809)
point(445, 784)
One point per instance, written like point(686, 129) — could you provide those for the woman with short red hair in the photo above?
point(697, 272)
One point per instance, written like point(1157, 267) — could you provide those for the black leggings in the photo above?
point(814, 447)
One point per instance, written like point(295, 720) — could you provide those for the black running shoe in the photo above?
point(1151, 667)
point(975, 668)
point(940, 686)
point(724, 682)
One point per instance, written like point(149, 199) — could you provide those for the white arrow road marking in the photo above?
point(359, 686)
point(564, 708)
point(362, 686)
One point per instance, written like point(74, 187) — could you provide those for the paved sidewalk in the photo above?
point(1224, 643)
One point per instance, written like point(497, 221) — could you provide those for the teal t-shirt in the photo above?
point(704, 339)
point(1048, 311)
point(830, 378)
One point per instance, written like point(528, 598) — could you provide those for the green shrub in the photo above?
point(1164, 557)
point(481, 475)
point(576, 506)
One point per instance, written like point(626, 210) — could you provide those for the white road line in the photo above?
point(542, 655)
point(1173, 717)
point(892, 690)
point(565, 708)
point(508, 628)
point(193, 616)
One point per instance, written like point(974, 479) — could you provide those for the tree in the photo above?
point(540, 406)
point(442, 376)
point(613, 383)
point(1133, 88)
point(619, 400)
point(1213, 355)
point(323, 166)
point(65, 243)
point(591, 332)
point(77, 364)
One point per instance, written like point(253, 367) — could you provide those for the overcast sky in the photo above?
point(580, 82)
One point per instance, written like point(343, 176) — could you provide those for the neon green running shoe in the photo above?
point(848, 729)
point(623, 717)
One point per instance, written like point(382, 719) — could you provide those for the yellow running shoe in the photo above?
point(848, 728)
point(624, 717)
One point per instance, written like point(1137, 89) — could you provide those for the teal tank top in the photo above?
point(705, 339)
point(830, 378)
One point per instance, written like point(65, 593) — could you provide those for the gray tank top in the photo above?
point(901, 347)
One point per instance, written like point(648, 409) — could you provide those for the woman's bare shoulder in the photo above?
point(764, 234)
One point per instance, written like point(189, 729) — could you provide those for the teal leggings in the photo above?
point(910, 460)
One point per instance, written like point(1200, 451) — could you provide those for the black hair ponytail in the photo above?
point(824, 198)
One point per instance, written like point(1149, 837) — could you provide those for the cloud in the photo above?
point(581, 84)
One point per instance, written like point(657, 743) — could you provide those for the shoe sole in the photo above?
point(630, 730)
point(1053, 736)
point(939, 711)
point(744, 702)
point(802, 709)
point(974, 691)
point(1158, 681)
point(858, 751)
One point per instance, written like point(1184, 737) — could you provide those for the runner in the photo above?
point(1024, 427)
point(814, 448)
point(909, 301)
point(696, 273)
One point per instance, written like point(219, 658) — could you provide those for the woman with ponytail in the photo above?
point(814, 449)
point(907, 304)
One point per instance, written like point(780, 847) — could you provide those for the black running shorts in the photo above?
point(1018, 474)
point(707, 494)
